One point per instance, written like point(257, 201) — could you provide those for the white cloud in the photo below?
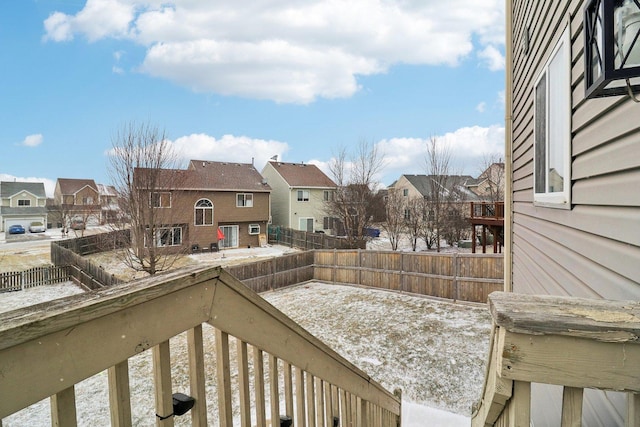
point(493, 59)
point(49, 185)
point(481, 107)
point(229, 148)
point(468, 147)
point(32, 140)
point(284, 50)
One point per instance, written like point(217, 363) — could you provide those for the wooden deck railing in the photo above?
point(572, 342)
point(46, 350)
point(487, 210)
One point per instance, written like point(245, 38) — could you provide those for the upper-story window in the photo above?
point(328, 195)
point(160, 199)
point(303, 195)
point(405, 192)
point(24, 202)
point(203, 212)
point(87, 200)
point(552, 129)
point(244, 200)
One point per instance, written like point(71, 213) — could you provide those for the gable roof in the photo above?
point(303, 175)
point(229, 175)
point(72, 185)
point(212, 176)
point(9, 188)
point(457, 183)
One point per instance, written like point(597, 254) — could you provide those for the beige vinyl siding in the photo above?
point(593, 249)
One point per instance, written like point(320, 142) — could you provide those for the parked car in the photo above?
point(16, 229)
point(371, 232)
point(78, 224)
point(37, 227)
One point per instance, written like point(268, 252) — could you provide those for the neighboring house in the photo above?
point(456, 188)
point(109, 208)
point(490, 184)
point(573, 169)
point(22, 203)
point(209, 197)
point(76, 199)
point(299, 195)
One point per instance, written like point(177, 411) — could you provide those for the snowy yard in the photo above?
point(434, 351)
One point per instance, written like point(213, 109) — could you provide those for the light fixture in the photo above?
point(181, 405)
point(612, 48)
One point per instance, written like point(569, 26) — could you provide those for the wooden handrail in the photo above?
point(487, 210)
point(573, 342)
point(46, 349)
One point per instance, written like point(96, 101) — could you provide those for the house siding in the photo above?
point(279, 197)
point(225, 212)
point(591, 249)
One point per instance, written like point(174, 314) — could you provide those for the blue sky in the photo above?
point(300, 80)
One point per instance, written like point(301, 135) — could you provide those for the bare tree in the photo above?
point(414, 219)
point(492, 171)
point(143, 171)
point(438, 161)
point(353, 204)
point(394, 221)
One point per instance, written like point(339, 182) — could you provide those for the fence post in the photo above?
point(456, 295)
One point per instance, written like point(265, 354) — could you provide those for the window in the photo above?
point(405, 192)
point(254, 228)
point(24, 202)
point(230, 236)
point(244, 200)
point(160, 199)
point(303, 195)
point(168, 236)
point(552, 128)
point(328, 223)
point(407, 214)
point(204, 212)
point(306, 224)
point(87, 200)
point(328, 195)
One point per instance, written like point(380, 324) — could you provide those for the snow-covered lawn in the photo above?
point(434, 351)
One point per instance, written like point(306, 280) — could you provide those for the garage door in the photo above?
point(22, 221)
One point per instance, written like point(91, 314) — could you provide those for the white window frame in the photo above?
point(172, 232)
point(556, 128)
point(231, 234)
point(306, 222)
point(201, 204)
point(160, 199)
point(254, 229)
point(301, 195)
point(26, 203)
point(244, 200)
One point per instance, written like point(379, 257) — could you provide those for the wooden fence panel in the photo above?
point(473, 266)
point(37, 276)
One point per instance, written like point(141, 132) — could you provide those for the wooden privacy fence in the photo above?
point(308, 241)
point(80, 269)
point(19, 280)
point(96, 243)
point(466, 277)
point(303, 380)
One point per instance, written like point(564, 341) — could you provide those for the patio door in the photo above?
point(306, 224)
point(230, 236)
